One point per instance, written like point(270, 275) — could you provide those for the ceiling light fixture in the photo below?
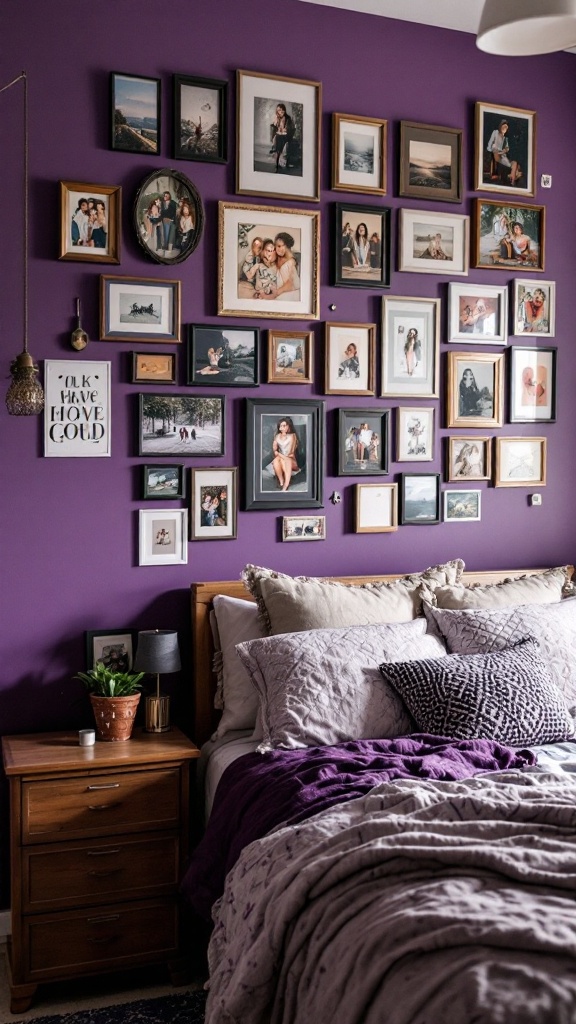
point(524, 28)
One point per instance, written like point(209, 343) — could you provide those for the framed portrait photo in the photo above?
point(168, 216)
point(376, 508)
point(410, 347)
point(183, 425)
point(223, 356)
point(214, 503)
point(430, 162)
point(303, 528)
point(468, 458)
point(153, 368)
point(163, 482)
point(350, 359)
point(290, 357)
point(462, 506)
point(361, 246)
point(135, 113)
point(90, 217)
point(200, 119)
point(505, 149)
point(163, 536)
point(520, 462)
point(509, 237)
point(114, 647)
point(475, 390)
point(433, 243)
point(415, 434)
point(478, 314)
point(532, 380)
point(278, 136)
point(268, 262)
point(363, 442)
point(284, 453)
point(139, 309)
point(534, 308)
point(359, 153)
point(419, 498)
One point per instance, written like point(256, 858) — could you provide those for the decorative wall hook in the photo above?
point(335, 497)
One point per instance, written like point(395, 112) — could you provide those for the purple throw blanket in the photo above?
point(260, 791)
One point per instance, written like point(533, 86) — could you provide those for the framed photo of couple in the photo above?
point(214, 503)
point(362, 246)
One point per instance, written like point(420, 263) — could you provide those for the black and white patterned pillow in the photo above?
point(506, 695)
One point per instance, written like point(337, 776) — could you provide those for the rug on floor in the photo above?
point(184, 1008)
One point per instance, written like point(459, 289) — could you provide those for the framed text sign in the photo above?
point(77, 409)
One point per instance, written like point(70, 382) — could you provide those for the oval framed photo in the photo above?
point(168, 216)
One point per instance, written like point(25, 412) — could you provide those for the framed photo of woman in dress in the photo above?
point(284, 453)
point(475, 390)
point(410, 347)
point(350, 359)
point(505, 149)
point(532, 385)
point(168, 216)
point(362, 246)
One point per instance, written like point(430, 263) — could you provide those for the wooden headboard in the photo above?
point(205, 715)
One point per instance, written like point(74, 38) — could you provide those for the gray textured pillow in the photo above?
point(544, 588)
point(507, 696)
point(324, 686)
point(236, 620)
point(291, 604)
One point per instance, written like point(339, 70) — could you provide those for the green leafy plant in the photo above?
point(105, 682)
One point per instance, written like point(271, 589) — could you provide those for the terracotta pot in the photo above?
point(114, 716)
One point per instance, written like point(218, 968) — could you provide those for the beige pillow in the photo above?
point(545, 588)
point(290, 604)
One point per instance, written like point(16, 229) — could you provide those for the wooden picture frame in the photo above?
point(290, 357)
point(139, 309)
point(419, 499)
point(478, 314)
point(214, 503)
point(184, 425)
point(415, 433)
point(475, 395)
point(410, 347)
point(359, 154)
point(433, 243)
point(306, 528)
point(509, 237)
point(222, 356)
point(520, 462)
point(114, 647)
point(504, 149)
point(376, 508)
point(532, 379)
point(430, 162)
point(168, 216)
point(135, 113)
point(363, 442)
point(90, 218)
point(163, 536)
point(350, 358)
point(200, 126)
point(534, 308)
point(291, 482)
point(153, 368)
point(468, 458)
point(163, 482)
point(361, 255)
point(462, 506)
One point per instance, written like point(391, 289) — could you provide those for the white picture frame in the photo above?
point(76, 408)
point(305, 528)
point(462, 506)
point(415, 434)
point(478, 314)
point(434, 243)
point(534, 308)
point(163, 536)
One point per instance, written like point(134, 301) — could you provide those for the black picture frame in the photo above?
point(262, 489)
point(532, 378)
point(419, 499)
point(222, 356)
point(359, 458)
point(162, 417)
point(377, 220)
point(193, 140)
point(132, 132)
point(97, 641)
point(163, 482)
point(159, 229)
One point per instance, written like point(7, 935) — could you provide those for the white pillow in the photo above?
point(236, 620)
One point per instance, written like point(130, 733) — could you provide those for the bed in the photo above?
point(408, 878)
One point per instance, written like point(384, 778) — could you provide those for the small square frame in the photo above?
point(468, 458)
point(413, 371)
point(462, 506)
point(376, 508)
point(296, 528)
point(139, 309)
point(359, 154)
point(439, 176)
point(434, 243)
point(350, 359)
point(493, 227)
point(198, 422)
point(532, 378)
point(478, 314)
point(491, 174)
point(192, 140)
point(79, 239)
point(222, 356)
point(163, 536)
point(290, 357)
point(359, 456)
point(143, 140)
point(468, 400)
point(415, 433)
point(520, 462)
point(357, 265)
point(153, 368)
point(534, 319)
point(214, 503)
point(419, 499)
point(99, 643)
point(163, 482)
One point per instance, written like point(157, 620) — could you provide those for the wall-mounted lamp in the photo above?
point(158, 653)
point(524, 28)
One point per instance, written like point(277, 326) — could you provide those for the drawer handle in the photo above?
point(103, 920)
point(105, 785)
point(104, 874)
point(104, 807)
point(102, 853)
point(104, 939)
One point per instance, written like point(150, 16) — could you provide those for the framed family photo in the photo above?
point(433, 243)
point(290, 357)
point(183, 425)
point(419, 498)
point(532, 385)
point(200, 119)
point(462, 506)
point(363, 442)
point(278, 136)
point(475, 389)
point(350, 359)
point(114, 647)
point(505, 149)
point(223, 356)
point(214, 503)
point(303, 528)
point(520, 462)
point(168, 216)
point(135, 113)
point(163, 482)
point(163, 536)
point(410, 347)
point(415, 434)
point(376, 508)
point(509, 237)
point(534, 308)
point(268, 263)
point(284, 453)
point(468, 458)
point(90, 217)
point(153, 368)
point(359, 154)
point(430, 162)
point(139, 309)
point(478, 314)
point(362, 246)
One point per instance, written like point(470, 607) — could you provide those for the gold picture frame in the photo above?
point(359, 154)
point(475, 396)
point(520, 462)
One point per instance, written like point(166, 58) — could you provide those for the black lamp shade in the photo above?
point(157, 651)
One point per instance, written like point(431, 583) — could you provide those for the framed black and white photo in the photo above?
point(410, 347)
point(475, 390)
point(478, 314)
point(534, 308)
point(214, 503)
point(361, 253)
point(520, 462)
point(163, 536)
point(376, 508)
point(139, 309)
point(200, 119)
point(415, 434)
point(90, 217)
point(363, 442)
point(532, 377)
point(303, 528)
point(462, 506)
point(113, 647)
point(505, 149)
point(223, 356)
point(290, 357)
point(430, 162)
point(434, 243)
point(77, 409)
point(135, 113)
point(359, 154)
point(182, 425)
point(419, 499)
point(468, 458)
point(284, 453)
point(160, 483)
point(168, 216)
point(153, 368)
point(350, 359)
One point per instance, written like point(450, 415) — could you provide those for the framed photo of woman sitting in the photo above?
point(475, 389)
point(284, 453)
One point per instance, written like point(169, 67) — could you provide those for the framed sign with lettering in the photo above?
point(77, 408)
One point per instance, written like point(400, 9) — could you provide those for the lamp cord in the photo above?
point(21, 77)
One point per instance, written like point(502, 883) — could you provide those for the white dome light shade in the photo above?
point(523, 28)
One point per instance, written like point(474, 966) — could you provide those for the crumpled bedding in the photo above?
point(421, 902)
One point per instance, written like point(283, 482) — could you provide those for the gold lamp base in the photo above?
point(157, 714)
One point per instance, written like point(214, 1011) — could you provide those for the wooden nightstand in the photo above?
point(98, 838)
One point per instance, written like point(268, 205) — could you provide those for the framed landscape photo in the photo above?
point(434, 243)
point(114, 647)
point(290, 357)
point(200, 119)
point(183, 425)
point(303, 528)
point(362, 246)
point(153, 368)
point(135, 113)
point(410, 347)
point(509, 237)
point(90, 217)
point(478, 314)
point(468, 458)
point(534, 308)
point(268, 263)
point(223, 356)
point(163, 536)
point(376, 508)
point(139, 309)
point(284, 453)
point(415, 434)
point(359, 153)
point(532, 385)
point(363, 442)
point(278, 136)
point(168, 216)
point(163, 482)
point(214, 503)
point(419, 498)
point(430, 162)
point(462, 506)
point(520, 462)
point(505, 149)
point(475, 390)
point(350, 359)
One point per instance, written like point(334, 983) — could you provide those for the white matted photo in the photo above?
point(462, 506)
point(532, 384)
point(410, 347)
point(163, 536)
point(478, 314)
point(358, 154)
point(350, 356)
point(303, 528)
point(77, 408)
point(415, 434)
point(139, 309)
point(214, 503)
point(534, 306)
point(434, 243)
point(376, 508)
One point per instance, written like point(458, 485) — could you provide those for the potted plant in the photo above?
point(114, 697)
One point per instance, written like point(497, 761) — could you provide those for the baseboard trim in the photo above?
point(5, 924)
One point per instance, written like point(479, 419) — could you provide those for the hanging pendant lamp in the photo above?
point(524, 28)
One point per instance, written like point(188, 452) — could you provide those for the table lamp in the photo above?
point(157, 652)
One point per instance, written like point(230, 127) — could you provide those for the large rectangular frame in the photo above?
point(359, 154)
point(193, 97)
point(263, 418)
point(410, 365)
point(190, 416)
point(361, 262)
point(439, 175)
point(82, 231)
point(468, 396)
point(532, 379)
point(433, 243)
point(139, 309)
point(495, 233)
point(517, 145)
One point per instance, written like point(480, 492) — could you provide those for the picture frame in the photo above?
point(433, 243)
point(410, 347)
point(306, 528)
point(222, 356)
point(182, 425)
point(168, 216)
point(468, 458)
point(532, 379)
point(376, 508)
point(278, 136)
point(520, 462)
point(462, 506)
point(478, 314)
point(200, 126)
point(504, 157)
point(163, 535)
point(350, 358)
point(139, 309)
point(534, 308)
point(361, 255)
point(303, 478)
point(419, 499)
point(241, 228)
point(114, 647)
point(363, 442)
point(359, 154)
point(290, 357)
point(90, 218)
point(214, 503)
point(135, 103)
point(430, 162)
point(161, 483)
point(475, 396)
point(77, 408)
point(153, 368)
point(509, 237)
point(415, 433)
